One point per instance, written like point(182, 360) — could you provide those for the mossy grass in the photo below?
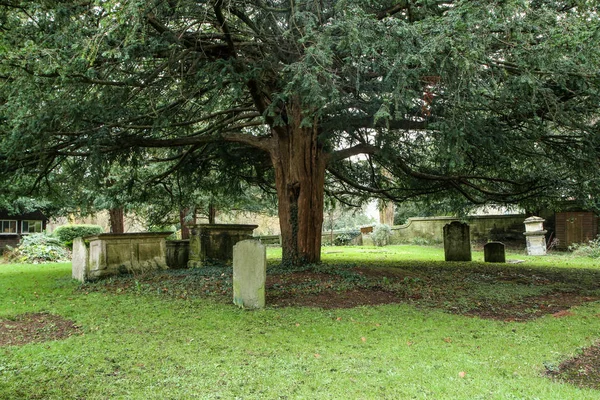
point(144, 343)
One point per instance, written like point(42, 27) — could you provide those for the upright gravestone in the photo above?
point(494, 252)
point(249, 274)
point(79, 262)
point(457, 242)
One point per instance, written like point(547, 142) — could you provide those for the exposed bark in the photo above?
point(117, 220)
point(299, 164)
point(386, 212)
point(183, 222)
point(212, 213)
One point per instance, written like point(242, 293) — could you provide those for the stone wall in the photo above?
point(483, 228)
point(275, 240)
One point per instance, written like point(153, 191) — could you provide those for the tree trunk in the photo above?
point(386, 212)
point(117, 220)
point(212, 213)
point(299, 164)
point(185, 231)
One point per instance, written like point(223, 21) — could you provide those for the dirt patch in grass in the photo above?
point(582, 371)
point(331, 299)
point(35, 328)
point(557, 304)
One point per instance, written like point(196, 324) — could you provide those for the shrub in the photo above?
point(590, 249)
point(381, 235)
point(67, 233)
point(38, 248)
point(345, 239)
point(420, 241)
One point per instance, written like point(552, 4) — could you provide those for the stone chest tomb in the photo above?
point(111, 254)
point(214, 242)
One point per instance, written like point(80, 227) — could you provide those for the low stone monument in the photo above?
point(214, 242)
point(178, 253)
point(494, 252)
point(111, 254)
point(535, 236)
point(249, 274)
point(457, 242)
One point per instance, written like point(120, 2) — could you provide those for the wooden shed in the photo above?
point(575, 227)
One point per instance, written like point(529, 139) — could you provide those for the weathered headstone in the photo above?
point(457, 242)
point(494, 252)
point(79, 263)
point(536, 236)
point(249, 274)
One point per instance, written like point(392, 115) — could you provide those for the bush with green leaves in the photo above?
point(345, 239)
point(381, 235)
point(38, 248)
point(590, 249)
point(67, 233)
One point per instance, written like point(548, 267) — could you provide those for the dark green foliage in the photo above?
point(67, 233)
point(454, 102)
point(38, 248)
point(404, 211)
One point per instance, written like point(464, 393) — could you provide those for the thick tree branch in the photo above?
point(396, 8)
point(362, 148)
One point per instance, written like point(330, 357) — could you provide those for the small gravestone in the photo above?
point(457, 242)
point(249, 274)
point(80, 260)
point(494, 252)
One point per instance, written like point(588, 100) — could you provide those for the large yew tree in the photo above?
point(489, 100)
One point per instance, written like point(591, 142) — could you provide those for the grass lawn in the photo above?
point(176, 335)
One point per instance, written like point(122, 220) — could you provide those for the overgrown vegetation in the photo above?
point(590, 249)
point(345, 239)
point(381, 235)
point(38, 248)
